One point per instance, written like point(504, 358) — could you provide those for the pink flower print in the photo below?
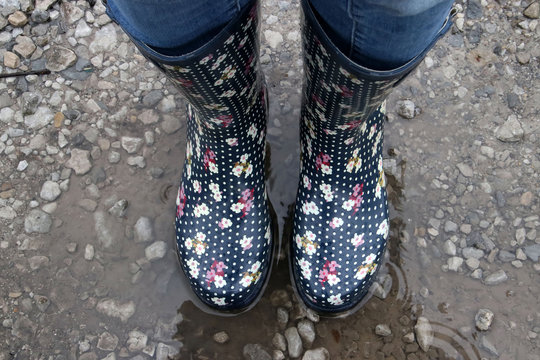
point(344, 91)
point(243, 166)
point(309, 207)
point(249, 64)
point(336, 222)
point(184, 82)
point(232, 141)
point(357, 240)
point(361, 273)
point(245, 242)
point(229, 40)
point(180, 202)
point(197, 186)
point(216, 273)
point(383, 229)
point(307, 182)
point(224, 223)
point(206, 59)
point(245, 203)
point(318, 100)
point(355, 162)
point(210, 161)
point(322, 162)
point(329, 273)
point(355, 200)
point(307, 242)
point(370, 258)
point(328, 194)
point(201, 210)
point(255, 266)
point(252, 132)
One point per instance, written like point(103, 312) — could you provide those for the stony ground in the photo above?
point(91, 154)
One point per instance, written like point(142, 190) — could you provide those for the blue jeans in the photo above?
point(378, 34)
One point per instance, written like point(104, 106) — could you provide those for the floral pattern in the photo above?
point(341, 214)
point(224, 233)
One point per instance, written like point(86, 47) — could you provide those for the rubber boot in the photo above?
point(224, 231)
point(341, 214)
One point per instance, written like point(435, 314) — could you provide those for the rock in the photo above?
point(496, 278)
point(107, 341)
point(114, 308)
point(506, 256)
point(42, 302)
point(171, 124)
point(156, 251)
point(280, 298)
point(18, 19)
point(488, 346)
point(105, 39)
point(88, 356)
point(317, 354)
point(136, 161)
point(82, 30)
point(533, 10)
point(37, 221)
point(106, 235)
point(510, 131)
point(11, 60)
point(149, 117)
point(30, 102)
point(424, 333)
point(449, 248)
point(38, 261)
point(470, 252)
point(131, 144)
point(89, 252)
point(454, 263)
point(137, 341)
point(24, 328)
point(119, 209)
point(255, 352)
point(273, 38)
point(383, 330)
point(409, 338)
point(79, 161)
point(25, 46)
point(382, 287)
point(7, 213)
point(532, 252)
point(282, 317)
point(294, 342)
point(143, 230)
point(472, 263)
point(60, 58)
point(165, 352)
point(406, 109)
point(278, 355)
point(44, 4)
point(279, 342)
point(87, 204)
point(474, 9)
point(41, 118)
point(71, 12)
point(306, 330)
point(39, 16)
point(483, 319)
point(465, 170)
point(221, 337)
point(50, 191)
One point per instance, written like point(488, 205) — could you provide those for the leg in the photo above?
point(224, 229)
point(341, 215)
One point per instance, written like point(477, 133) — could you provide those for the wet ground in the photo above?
point(83, 277)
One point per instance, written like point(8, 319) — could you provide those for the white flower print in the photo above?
point(370, 258)
point(325, 188)
point(306, 182)
point(255, 267)
point(197, 186)
point(205, 59)
point(310, 249)
point(249, 170)
point(361, 273)
point(252, 131)
point(200, 249)
point(326, 169)
point(309, 207)
point(363, 128)
point(232, 141)
point(237, 170)
point(200, 236)
point(372, 131)
point(245, 242)
point(298, 240)
point(383, 229)
point(328, 196)
point(357, 240)
point(306, 273)
point(335, 299)
point(224, 223)
point(349, 141)
point(217, 196)
point(246, 280)
point(192, 263)
point(336, 222)
point(218, 301)
point(333, 279)
point(194, 272)
point(229, 40)
point(348, 205)
point(378, 189)
point(188, 243)
point(219, 282)
point(201, 210)
point(228, 93)
point(213, 187)
point(213, 167)
point(237, 207)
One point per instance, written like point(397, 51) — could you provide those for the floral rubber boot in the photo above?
point(341, 214)
point(224, 227)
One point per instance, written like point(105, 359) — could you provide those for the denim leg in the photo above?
point(174, 26)
point(382, 34)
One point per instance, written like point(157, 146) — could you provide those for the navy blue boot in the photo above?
point(224, 231)
point(341, 213)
